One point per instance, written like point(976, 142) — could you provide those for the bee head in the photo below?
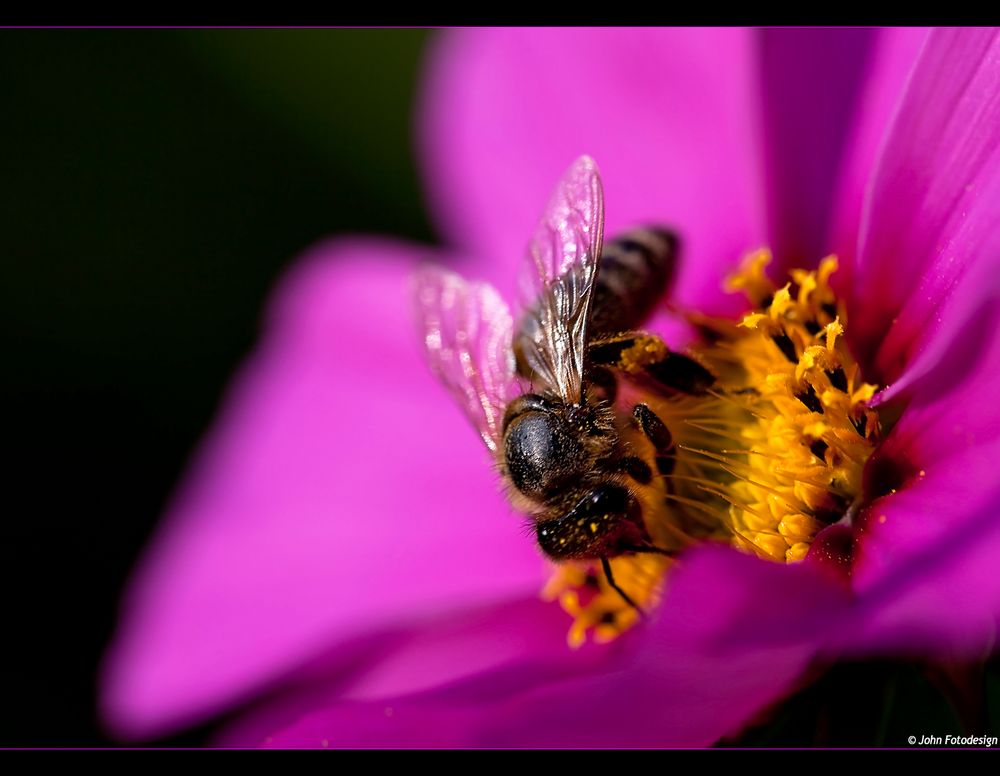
point(549, 444)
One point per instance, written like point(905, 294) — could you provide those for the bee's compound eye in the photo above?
point(541, 454)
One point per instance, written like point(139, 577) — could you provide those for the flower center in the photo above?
point(767, 459)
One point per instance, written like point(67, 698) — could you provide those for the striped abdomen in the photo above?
point(634, 274)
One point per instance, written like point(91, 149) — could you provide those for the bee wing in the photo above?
point(468, 330)
point(558, 278)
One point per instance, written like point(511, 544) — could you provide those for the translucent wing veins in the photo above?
point(468, 333)
point(558, 281)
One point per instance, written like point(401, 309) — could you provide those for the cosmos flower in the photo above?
point(340, 547)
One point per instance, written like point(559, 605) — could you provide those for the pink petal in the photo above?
point(931, 208)
point(340, 490)
point(889, 65)
point(939, 592)
point(669, 116)
point(811, 79)
point(431, 654)
point(936, 536)
point(685, 682)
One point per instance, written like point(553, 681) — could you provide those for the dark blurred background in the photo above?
point(155, 185)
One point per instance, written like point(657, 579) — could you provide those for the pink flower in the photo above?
point(340, 541)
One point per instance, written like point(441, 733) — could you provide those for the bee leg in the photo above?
point(646, 355)
point(682, 374)
point(659, 435)
point(631, 465)
point(606, 565)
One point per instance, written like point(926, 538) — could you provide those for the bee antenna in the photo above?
point(652, 549)
point(611, 581)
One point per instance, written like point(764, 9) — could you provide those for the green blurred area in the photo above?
point(345, 94)
point(156, 182)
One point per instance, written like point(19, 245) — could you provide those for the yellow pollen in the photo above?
point(646, 350)
point(768, 458)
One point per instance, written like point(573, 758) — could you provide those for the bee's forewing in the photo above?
point(557, 280)
point(467, 333)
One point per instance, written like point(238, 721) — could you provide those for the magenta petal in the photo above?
point(932, 203)
point(930, 549)
point(938, 593)
point(888, 67)
point(429, 655)
point(961, 332)
point(811, 80)
point(669, 116)
point(688, 683)
point(940, 458)
point(332, 496)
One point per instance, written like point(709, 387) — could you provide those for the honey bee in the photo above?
point(544, 395)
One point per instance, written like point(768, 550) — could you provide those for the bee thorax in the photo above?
point(540, 455)
point(548, 444)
